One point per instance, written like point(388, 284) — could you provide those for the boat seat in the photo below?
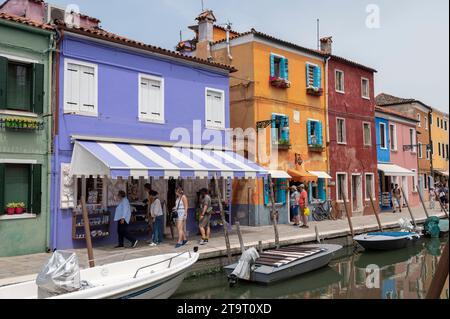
point(281, 257)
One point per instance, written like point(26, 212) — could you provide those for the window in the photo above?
point(412, 139)
point(315, 134)
point(22, 84)
point(279, 67)
point(151, 98)
point(414, 180)
point(339, 78)
point(425, 181)
point(445, 125)
point(215, 109)
point(438, 122)
point(439, 148)
point(279, 191)
point(420, 150)
point(419, 118)
point(383, 138)
point(432, 148)
point(342, 187)
point(426, 123)
point(370, 186)
point(341, 131)
point(280, 129)
point(393, 137)
point(367, 134)
point(428, 152)
point(447, 155)
point(442, 123)
point(365, 90)
point(80, 88)
point(21, 183)
point(313, 76)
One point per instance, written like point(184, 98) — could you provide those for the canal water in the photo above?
point(401, 274)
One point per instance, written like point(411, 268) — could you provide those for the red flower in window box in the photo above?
point(314, 91)
point(280, 82)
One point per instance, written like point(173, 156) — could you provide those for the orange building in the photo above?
point(279, 88)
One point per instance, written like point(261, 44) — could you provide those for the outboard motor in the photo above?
point(244, 268)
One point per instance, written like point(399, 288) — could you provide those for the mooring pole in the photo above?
point(224, 221)
point(349, 219)
point(318, 234)
point(241, 240)
point(375, 211)
point(423, 203)
point(409, 208)
point(87, 230)
point(442, 205)
point(437, 285)
point(260, 247)
point(274, 214)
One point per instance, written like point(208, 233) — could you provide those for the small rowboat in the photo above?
point(155, 277)
point(284, 263)
point(387, 240)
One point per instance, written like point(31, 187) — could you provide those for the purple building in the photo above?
point(129, 114)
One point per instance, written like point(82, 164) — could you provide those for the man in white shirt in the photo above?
point(157, 214)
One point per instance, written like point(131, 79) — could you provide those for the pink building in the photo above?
point(401, 141)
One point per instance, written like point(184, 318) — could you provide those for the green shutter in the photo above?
point(38, 88)
point(3, 81)
point(36, 188)
point(2, 189)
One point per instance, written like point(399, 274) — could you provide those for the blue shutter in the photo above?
point(317, 77)
point(266, 191)
point(272, 65)
point(281, 191)
point(274, 131)
point(319, 133)
point(307, 75)
point(285, 129)
point(308, 127)
point(286, 69)
point(322, 193)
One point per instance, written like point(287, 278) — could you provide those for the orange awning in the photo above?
point(301, 175)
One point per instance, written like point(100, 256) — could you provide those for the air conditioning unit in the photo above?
point(55, 13)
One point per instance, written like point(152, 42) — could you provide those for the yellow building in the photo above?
point(440, 141)
point(280, 88)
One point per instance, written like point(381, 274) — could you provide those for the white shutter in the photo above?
point(87, 89)
point(144, 110)
point(151, 105)
point(72, 87)
point(215, 111)
point(156, 99)
point(218, 111)
point(209, 109)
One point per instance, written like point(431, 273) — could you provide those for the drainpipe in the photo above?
point(327, 100)
point(430, 120)
point(230, 57)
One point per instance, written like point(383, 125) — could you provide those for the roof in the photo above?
point(395, 113)
point(353, 63)
point(31, 23)
point(108, 36)
point(384, 99)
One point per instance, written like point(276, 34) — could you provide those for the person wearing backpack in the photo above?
point(156, 213)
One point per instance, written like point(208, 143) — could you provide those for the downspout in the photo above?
point(327, 100)
point(430, 125)
point(230, 57)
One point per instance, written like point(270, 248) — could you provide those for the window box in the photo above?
point(314, 91)
point(280, 83)
point(21, 124)
point(284, 145)
point(316, 148)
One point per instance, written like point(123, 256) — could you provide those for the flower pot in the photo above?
point(19, 210)
point(10, 211)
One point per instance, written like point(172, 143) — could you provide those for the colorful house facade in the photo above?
point(26, 49)
point(422, 112)
point(351, 122)
point(397, 156)
point(440, 141)
point(279, 89)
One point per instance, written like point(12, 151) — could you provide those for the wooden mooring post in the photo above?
point(409, 208)
point(241, 240)
point(349, 218)
point(318, 234)
point(87, 230)
point(438, 283)
point(442, 205)
point(423, 203)
point(377, 215)
point(224, 221)
point(260, 247)
point(274, 213)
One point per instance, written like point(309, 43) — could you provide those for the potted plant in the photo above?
point(20, 208)
point(11, 208)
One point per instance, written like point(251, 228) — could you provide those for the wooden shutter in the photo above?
point(38, 88)
point(308, 80)
point(319, 133)
point(272, 65)
point(317, 77)
point(2, 189)
point(322, 192)
point(3, 82)
point(274, 130)
point(308, 127)
point(266, 187)
point(209, 109)
point(281, 191)
point(87, 89)
point(286, 69)
point(219, 121)
point(72, 87)
point(36, 188)
point(155, 100)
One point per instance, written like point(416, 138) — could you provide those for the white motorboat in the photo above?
point(155, 277)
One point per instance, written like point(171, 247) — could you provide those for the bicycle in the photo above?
point(323, 211)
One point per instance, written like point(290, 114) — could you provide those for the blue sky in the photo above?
point(410, 49)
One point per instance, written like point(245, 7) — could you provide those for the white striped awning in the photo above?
point(322, 175)
point(395, 170)
point(279, 174)
point(131, 160)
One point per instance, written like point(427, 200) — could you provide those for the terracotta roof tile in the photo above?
point(384, 99)
point(359, 65)
point(392, 112)
point(31, 23)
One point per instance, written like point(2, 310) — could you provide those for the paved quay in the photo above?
point(24, 268)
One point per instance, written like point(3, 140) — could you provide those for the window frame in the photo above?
point(373, 186)
point(419, 119)
point(68, 110)
point(393, 138)
point(364, 135)
point(368, 88)
point(336, 71)
point(214, 127)
point(414, 141)
point(426, 123)
point(385, 137)
point(148, 119)
point(346, 186)
point(414, 181)
point(420, 150)
point(344, 133)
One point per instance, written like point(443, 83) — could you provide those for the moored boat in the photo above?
point(284, 263)
point(387, 240)
point(155, 277)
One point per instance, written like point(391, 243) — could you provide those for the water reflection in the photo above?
point(403, 274)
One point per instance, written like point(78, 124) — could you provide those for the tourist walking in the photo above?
point(181, 210)
point(294, 203)
point(443, 196)
point(157, 216)
point(397, 198)
point(432, 198)
point(122, 217)
point(303, 204)
point(205, 216)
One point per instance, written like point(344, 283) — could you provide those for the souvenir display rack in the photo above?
point(99, 222)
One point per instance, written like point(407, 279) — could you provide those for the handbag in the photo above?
point(307, 212)
point(174, 215)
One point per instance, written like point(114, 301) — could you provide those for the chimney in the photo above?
point(206, 21)
point(326, 45)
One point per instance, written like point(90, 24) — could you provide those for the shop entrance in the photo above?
point(357, 193)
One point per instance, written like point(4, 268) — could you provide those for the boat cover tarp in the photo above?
point(244, 267)
point(59, 276)
point(391, 234)
point(434, 226)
